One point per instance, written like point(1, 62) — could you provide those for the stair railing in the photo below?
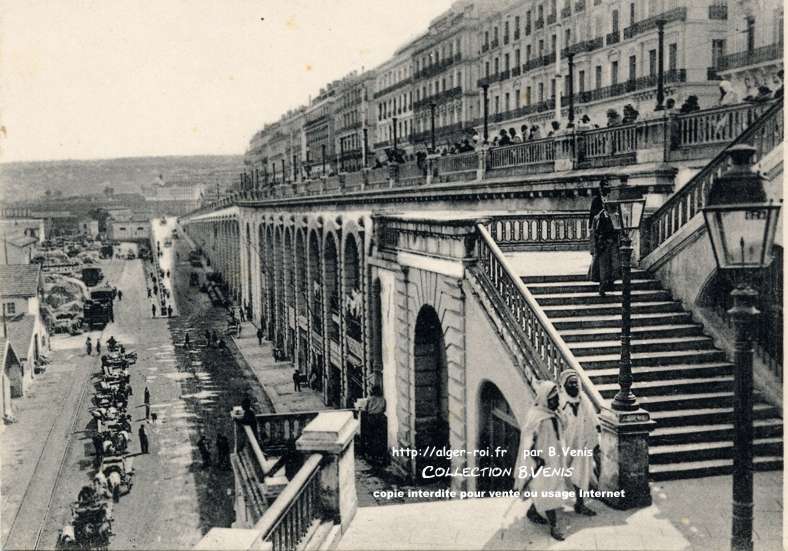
point(764, 134)
point(533, 328)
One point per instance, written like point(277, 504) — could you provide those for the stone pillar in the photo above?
point(331, 434)
point(624, 464)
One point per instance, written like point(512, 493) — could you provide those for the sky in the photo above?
point(97, 79)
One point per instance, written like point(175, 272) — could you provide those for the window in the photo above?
point(652, 62)
point(506, 62)
point(553, 42)
point(497, 104)
point(633, 67)
point(528, 95)
point(541, 92)
point(581, 81)
point(673, 54)
point(553, 7)
point(517, 99)
point(506, 102)
point(496, 66)
point(487, 69)
point(552, 88)
point(540, 12)
point(506, 32)
point(632, 13)
point(614, 73)
point(541, 48)
point(516, 25)
point(495, 34)
point(487, 38)
point(517, 58)
point(528, 52)
point(9, 308)
point(567, 37)
point(614, 21)
point(717, 51)
point(528, 22)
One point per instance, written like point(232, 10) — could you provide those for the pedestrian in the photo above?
point(120, 295)
point(581, 432)
point(241, 313)
point(186, 341)
point(98, 447)
point(147, 412)
point(260, 336)
point(146, 396)
point(605, 266)
point(98, 346)
point(169, 311)
point(143, 439)
point(214, 337)
point(598, 202)
point(153, 310)
point(208, 338)
point(205, 452)
point(296, 380)
point(542, 432)
point(88, 346)
point(223, 450)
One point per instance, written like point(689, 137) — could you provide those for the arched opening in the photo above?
point(498, 428)
point(431, 392)
point(301, 300)
point(279, 295)
point(289, 293)
point(315, 307)
point(248, 299)
point(331, 290)
point(268, 275)
point(353, 309)
point(377, 333)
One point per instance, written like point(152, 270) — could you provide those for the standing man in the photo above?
point(98, 346)
point(169, 311)
point(581, 432)
point(542, 431)
point(296, 380)
point(153, 310)
point(260, 336)
point(143, 439)
point(186, 341)
point(120, 295)
point(146, 398)
point(223, 450)
point(88, 346)
point(605, 264)
point(205, 451)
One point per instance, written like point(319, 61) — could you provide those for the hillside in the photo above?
point(24, 181)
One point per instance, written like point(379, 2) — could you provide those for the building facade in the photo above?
point(394, 102)
point(352, 118)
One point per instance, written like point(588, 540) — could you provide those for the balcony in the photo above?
point(457, 57)
point(552, 18)
point(539, 23)
point(435, 68)
point(763, 54)
point(438, 98)
point(566, 12)
point(582, 47)
point(676, 14)
point(548, 59)
point(516, 71)
point(718, 11)
point(580, 5)
point(483, 82)
point(532, 64)
point(621, 88)
point(505, 75)
point(613, 38)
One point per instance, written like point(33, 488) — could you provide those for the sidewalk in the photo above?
point(275, 377)
point(686, 515)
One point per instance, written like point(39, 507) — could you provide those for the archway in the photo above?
point(301, 300)
point(314, 293)
point(279, 295)
point(353, 310)
point(431, 389)
point(331, 290)
point(268, 278)
point(248, 299)
point(289, 293)
point(498, 428)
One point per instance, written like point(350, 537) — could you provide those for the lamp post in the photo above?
point(741, 224)
point(626, 214)
point(485, 109)
point(432, 126)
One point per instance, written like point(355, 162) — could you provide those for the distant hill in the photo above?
point(23, 181)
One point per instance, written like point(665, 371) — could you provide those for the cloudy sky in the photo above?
point(86, 79)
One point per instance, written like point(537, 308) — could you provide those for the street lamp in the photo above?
point(741, 224)
point(626, 213)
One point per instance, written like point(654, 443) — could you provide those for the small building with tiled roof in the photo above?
point(21, 288)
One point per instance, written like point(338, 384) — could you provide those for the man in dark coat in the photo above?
point(143, 439)
point(205, 452)
point(260, 336)
point(605, 264)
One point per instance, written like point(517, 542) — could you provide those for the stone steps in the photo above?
point(678, 374)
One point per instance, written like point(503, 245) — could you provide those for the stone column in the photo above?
point(331, 434)
point(624, 464)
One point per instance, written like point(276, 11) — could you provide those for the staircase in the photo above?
point(684, 382)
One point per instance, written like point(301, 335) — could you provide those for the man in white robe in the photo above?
point(536, 470)
point(581, 434)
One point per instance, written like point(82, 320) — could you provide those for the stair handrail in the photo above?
point(558, 357)
point(696, 189)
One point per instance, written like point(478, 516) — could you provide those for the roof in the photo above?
point(19, 280)
point(20, 333)
point(5, 350)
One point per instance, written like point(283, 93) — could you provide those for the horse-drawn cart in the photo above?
point(119, 471)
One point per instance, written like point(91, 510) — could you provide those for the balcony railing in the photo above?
point(463, 162)
point(504, 75)
point(582, 47)
point(565, 230)
point(438, 98)
point(613, 38)
point(718, 11)
point(751, 57)
point(395, 86)
point(528, 153)
point(765, 134)
point(532, 64)
point(435, 68)
point(676, 14)
point(516, 71)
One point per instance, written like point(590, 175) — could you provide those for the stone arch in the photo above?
point(248, 243)
point(353, 312)
point(300, 271)
point(279, 281)
point(498, 428)
point(289, 288)
point(431, 388)
point(268, 276)
point(332, 295)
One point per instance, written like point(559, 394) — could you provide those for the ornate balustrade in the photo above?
point(722, 124)
point(527, 153)
point(280, 431)
point(533, 331)
point(751, 57)
point(409, 173)
point(462, 162)
point(765, 134)
point(541, 231)
point(605, 146)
